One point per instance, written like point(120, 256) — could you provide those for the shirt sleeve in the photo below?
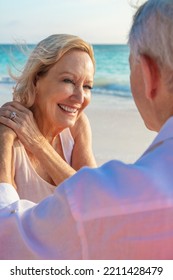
point(46, 230)
point(117, 211)
point(8, 195)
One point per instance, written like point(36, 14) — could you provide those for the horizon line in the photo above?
point(30, 43)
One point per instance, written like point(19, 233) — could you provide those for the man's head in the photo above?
point(151, 52)
point(152, 31)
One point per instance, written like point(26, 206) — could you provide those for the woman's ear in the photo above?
point(36, 80)
point(36, 84)
point(150, 72)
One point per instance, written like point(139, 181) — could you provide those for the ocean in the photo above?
point(111, 77)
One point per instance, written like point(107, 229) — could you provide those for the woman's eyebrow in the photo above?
point(66, 73)
point(74, 75)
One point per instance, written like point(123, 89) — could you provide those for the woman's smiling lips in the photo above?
point(68, 109)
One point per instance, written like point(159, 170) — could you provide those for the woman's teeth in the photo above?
point(67, 109)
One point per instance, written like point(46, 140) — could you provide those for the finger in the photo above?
point(6, 121)
point(8, 111)
point(12, 116)
point(15, 105)
point(5, 112)
point(11, 103)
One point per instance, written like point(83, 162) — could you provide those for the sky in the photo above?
point(97, 21)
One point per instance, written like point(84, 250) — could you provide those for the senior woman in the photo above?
point(53, 133)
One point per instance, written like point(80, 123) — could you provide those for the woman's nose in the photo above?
point(79, 94)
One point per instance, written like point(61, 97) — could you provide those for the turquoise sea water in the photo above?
point(112, 69)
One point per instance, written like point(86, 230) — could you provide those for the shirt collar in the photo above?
point(165, 133)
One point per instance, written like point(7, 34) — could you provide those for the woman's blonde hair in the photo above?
point(42, 58)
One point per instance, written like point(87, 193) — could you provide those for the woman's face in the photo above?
point(64, 92)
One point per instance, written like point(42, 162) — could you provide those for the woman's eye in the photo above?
point(68, 81)
point(88, 87)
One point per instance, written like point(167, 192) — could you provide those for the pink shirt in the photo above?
point(29, 184)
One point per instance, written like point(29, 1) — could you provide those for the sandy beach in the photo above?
point(117, 128)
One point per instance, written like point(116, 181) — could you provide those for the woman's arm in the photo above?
point(29, 134)
point(82, 152)
point(7, 137)
point(56, 167)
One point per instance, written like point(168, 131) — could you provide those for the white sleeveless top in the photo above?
point(29, 184)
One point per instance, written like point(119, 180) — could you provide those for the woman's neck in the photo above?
point(48, 130)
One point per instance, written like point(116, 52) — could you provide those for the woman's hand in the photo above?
point(21, 121)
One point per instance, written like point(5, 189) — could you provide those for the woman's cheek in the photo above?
point(87, 99)
point(85, 103)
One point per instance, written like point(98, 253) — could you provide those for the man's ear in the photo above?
point(150, 72)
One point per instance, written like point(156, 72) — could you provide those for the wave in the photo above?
point(6, 80)
point(119, 90)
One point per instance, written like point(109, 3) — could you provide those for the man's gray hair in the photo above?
point(152, 32)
